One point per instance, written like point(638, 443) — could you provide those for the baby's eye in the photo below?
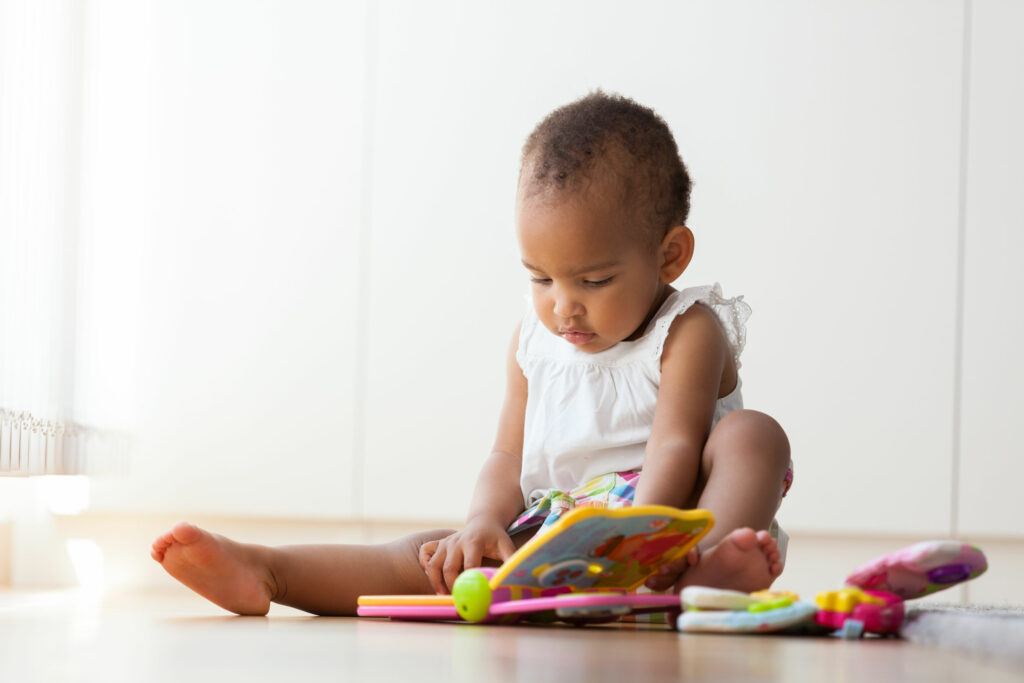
point(598, 283)
point(540, 280)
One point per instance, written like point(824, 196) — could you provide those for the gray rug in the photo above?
point(992, 632)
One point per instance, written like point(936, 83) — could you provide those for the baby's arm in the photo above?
point(693, 361)
point(497, 498)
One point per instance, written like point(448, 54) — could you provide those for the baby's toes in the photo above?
point(767, 543)
point(162, 543)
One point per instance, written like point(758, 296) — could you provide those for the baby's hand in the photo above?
point(444, 560)
point(670, 574)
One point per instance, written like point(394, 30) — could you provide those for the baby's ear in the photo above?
point(676, 251)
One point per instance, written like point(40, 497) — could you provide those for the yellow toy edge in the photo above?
point(577, 514)
point(404, 600)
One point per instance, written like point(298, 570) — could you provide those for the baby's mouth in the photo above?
point(577, 337)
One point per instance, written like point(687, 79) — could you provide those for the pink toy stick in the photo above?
point(585, 600)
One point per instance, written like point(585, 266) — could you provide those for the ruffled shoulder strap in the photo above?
point(732, 314)
point(527, 334)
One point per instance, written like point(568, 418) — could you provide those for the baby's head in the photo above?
point(600, 215)
point(609, 146)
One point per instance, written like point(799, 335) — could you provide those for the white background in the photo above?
point(316, 279)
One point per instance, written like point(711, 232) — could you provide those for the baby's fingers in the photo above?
point(452, 567)
point(434, 569)
point(667, 574)
point(472, 556)
point(427, 551)
point(659, 582)
point(505, 547)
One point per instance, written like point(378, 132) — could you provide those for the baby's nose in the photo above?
point(567, 306)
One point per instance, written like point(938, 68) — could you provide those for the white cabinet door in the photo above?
point(992, 444)
point(246, 120)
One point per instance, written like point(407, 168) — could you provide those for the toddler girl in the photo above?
point(620, 390)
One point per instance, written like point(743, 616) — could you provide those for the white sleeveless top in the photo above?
point(589, 414)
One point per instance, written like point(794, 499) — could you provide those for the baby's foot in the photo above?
point(744, 561)
point(230, 574)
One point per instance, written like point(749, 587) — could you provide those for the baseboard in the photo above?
point(42, 554)
point(39, 557)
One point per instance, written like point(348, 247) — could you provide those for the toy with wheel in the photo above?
point(854, 612)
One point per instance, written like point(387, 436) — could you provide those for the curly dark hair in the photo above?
point(607, 137)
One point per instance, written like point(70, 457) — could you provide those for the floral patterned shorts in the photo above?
point(613, 490)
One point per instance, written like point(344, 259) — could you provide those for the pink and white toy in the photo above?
point(921, 569)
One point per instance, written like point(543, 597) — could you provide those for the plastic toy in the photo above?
point(723, 611)
point(705, 598)
point(921, 569)
point(584, 569)
point(849, 612)
point(872, 602)
point(876, 612)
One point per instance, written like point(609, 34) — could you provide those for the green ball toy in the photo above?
point(472, 595)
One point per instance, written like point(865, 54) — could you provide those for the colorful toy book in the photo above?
point(585, 568)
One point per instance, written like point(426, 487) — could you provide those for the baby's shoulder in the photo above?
point(697, 346)
point(697, 351)
point(703, 315)
point(697, 330)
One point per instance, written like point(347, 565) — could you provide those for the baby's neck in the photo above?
point(663, 293)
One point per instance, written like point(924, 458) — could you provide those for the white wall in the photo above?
point(328, 277)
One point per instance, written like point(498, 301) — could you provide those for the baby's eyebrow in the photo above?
point(579, 271)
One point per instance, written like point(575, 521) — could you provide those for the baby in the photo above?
point(620, 390)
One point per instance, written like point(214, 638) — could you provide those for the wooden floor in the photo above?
point(70, 636)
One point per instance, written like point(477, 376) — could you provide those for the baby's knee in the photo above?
point(751, 432)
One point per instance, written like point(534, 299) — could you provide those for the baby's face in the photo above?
point(595, 282)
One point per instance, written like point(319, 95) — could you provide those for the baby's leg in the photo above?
point(742, 468)
point(322, 579)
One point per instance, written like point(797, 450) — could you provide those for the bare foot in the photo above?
point(744, 560)
point(230, 574)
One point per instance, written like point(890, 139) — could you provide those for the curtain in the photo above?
point(44, 279)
